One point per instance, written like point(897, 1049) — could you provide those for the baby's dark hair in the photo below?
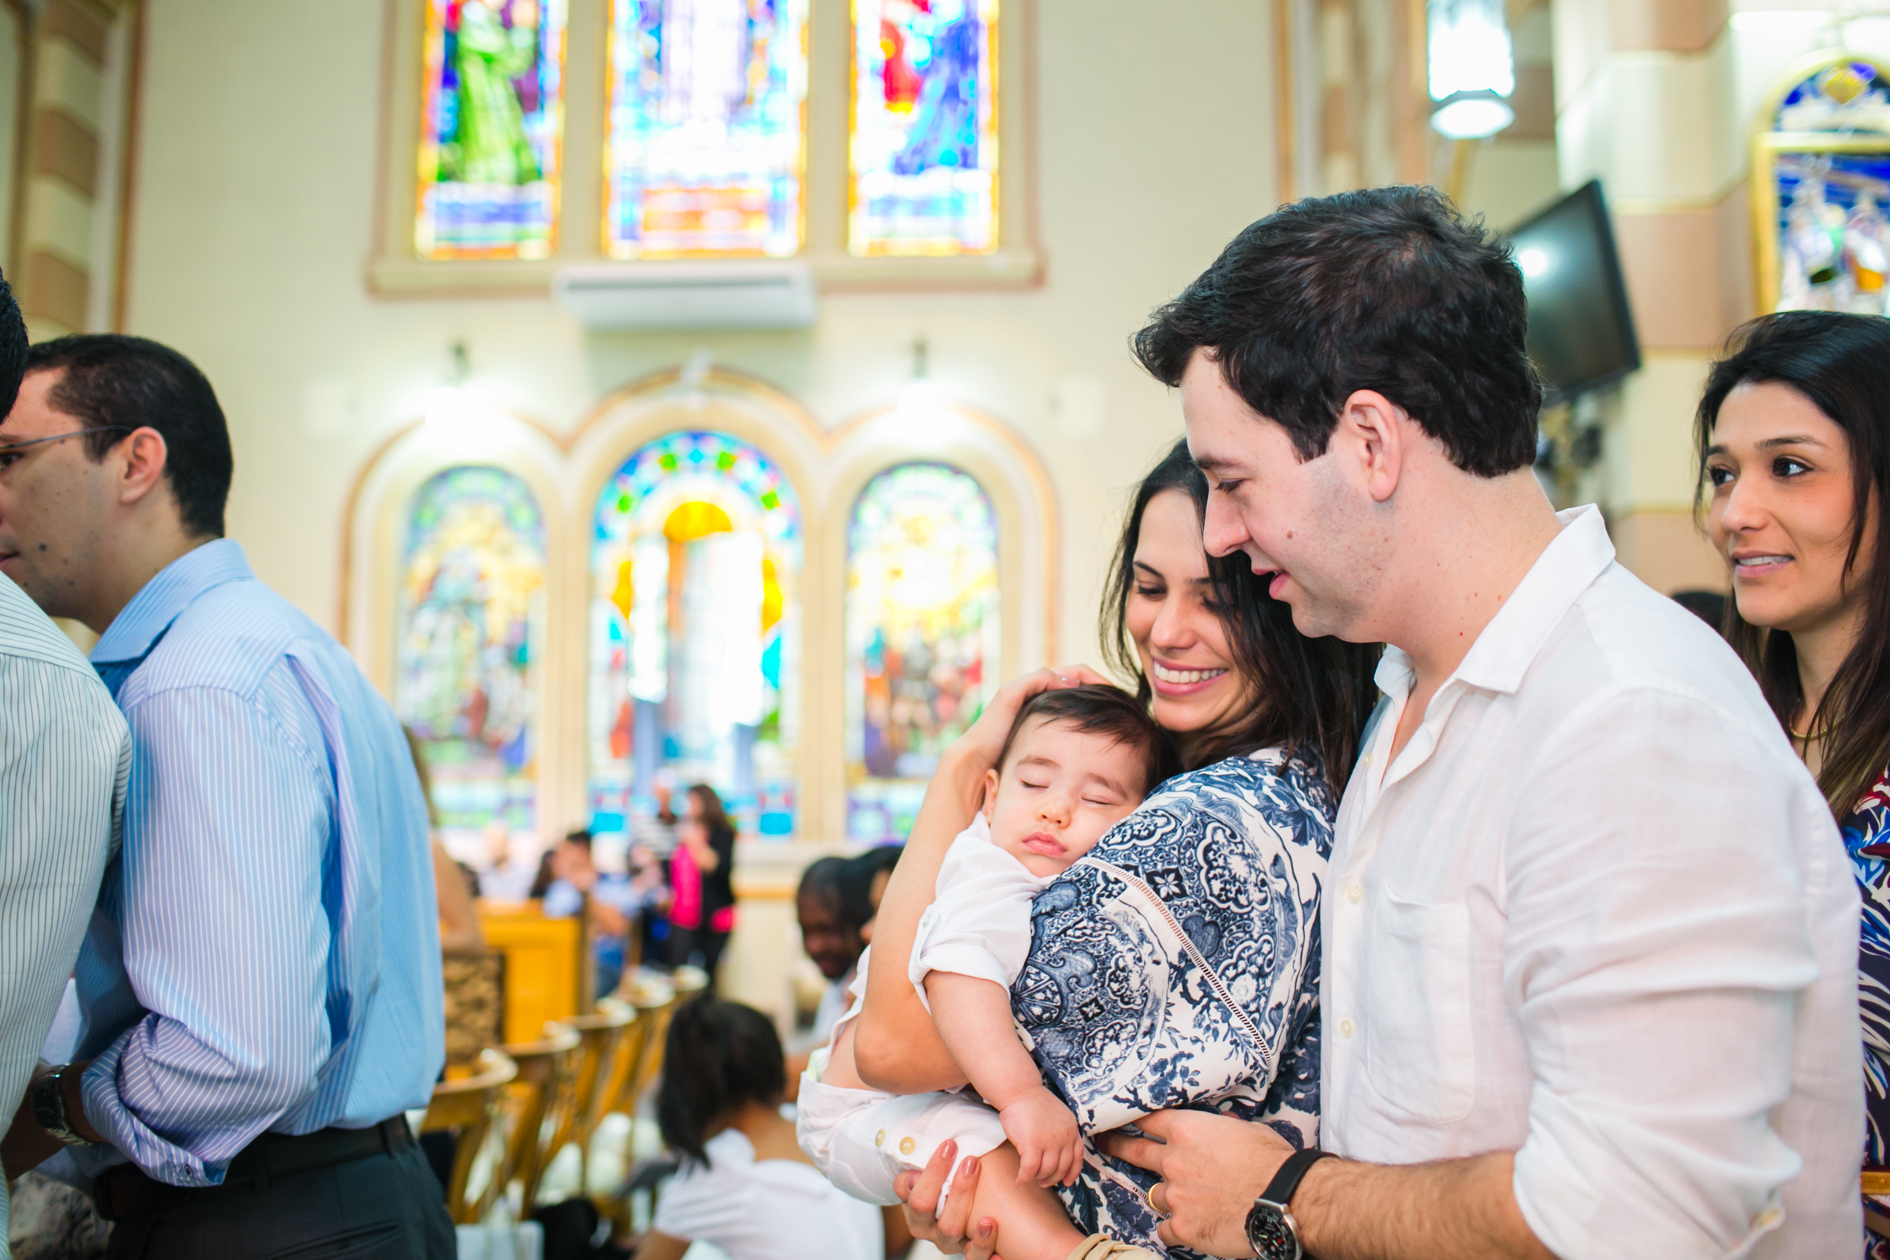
point(719, 1057)
point(1103, 710)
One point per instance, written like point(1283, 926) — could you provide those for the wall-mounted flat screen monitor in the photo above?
point(1581, 332)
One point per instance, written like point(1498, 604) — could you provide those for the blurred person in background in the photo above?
point(1794, 444)
point(745, 1185)
point(702, 891)
point(614, 903)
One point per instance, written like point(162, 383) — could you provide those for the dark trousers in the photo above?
point(386, 1206)
point(700, 946)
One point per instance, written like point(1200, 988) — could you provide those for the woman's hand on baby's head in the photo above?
point(981, 744)
point(1049, 1145)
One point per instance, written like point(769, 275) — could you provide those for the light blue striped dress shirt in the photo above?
point(64, 756)
point(266, 953)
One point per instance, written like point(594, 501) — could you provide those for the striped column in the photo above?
point(1645, 101)
point(62, 167)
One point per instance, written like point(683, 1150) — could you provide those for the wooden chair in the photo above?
point(600, 1044)
point(542, 1100)
point(467, 1107)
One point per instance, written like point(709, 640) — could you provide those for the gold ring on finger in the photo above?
point(1148, 1196)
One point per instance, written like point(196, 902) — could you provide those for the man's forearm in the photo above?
point(1461, 1209)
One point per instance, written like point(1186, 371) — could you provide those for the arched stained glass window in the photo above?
point(922, 635)
point(471, 633)
point(924, 151)
point(695, 560)
point(491, 126)
point(706, 127)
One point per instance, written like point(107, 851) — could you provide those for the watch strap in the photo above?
point(49, 1107)
point(1280, 1190)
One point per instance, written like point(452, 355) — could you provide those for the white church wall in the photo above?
point(257, 192)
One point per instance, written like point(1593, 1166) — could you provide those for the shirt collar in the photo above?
point(1508, 645)
point(152, 610)
point(1568, 566)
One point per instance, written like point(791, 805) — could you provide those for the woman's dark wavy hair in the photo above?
point(719, 1057)
point(1387, 289)
point(1841, 363)
point(1312, 694)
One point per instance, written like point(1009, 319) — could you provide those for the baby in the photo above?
point(1076, 762)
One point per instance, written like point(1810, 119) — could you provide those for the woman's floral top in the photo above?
point(1867, 838)
point(1177, 965)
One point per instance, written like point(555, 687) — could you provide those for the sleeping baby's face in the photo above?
point(1057, 792)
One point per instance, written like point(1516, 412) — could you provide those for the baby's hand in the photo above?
point(1049, 1148)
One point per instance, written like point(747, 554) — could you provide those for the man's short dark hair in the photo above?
point(1387, 289)
point(116, 384)
point(12, 348)
point(1107, 711)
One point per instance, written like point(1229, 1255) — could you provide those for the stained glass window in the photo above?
point(695, 557)
point(922, 635)
point(491, 124)
point(706, 127)
point(924, 156)
point(471, 631)
point(1830, 173)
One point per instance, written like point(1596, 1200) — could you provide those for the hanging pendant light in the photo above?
point(1472, 68)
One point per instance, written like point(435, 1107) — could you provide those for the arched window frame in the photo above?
point(827, 467)
point(395, 268)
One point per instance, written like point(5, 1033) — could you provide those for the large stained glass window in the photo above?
point(695, 557)
point(922, 635)
point(924, 157)
point(491, 125)
point(706, 127)
point(471, 632)
point(1825, 169)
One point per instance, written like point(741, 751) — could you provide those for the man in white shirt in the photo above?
point(1590, 941)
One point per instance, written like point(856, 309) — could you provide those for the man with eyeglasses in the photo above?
point(64, 757)
point(260, 988)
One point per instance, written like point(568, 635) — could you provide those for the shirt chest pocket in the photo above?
point(1419, 1052)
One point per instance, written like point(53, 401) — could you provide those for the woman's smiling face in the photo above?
point(1779, 471)
point(1171, 617)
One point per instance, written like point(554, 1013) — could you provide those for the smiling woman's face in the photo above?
point(1171, 618)
point(1779, 471)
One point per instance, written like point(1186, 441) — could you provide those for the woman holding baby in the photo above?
point(1176, 962)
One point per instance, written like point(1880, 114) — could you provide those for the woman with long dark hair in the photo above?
point(1794, 443)
point(745, 1186)
point(702, 899)
point(1234, 851)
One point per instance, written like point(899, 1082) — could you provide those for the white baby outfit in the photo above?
point(977, 925)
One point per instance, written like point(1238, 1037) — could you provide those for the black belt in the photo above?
point(125, 1190)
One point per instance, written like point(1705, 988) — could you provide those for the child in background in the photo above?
point(1076, 761)
point(744, 1185)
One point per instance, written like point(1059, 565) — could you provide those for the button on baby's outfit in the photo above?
point(879, 1139)
point(907, 1146)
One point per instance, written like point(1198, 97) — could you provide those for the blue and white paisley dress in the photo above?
point(1177, 965)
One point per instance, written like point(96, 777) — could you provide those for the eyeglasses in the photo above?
point(10, 452)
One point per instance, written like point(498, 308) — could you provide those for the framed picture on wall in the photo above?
point(1821, 188)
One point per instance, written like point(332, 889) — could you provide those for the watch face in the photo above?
point(1270, 1233)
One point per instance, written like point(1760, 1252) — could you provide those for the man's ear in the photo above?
point(1379, 430)
point(990, 793)
point(144, 457)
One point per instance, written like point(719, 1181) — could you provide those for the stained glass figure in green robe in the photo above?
point(490, 145)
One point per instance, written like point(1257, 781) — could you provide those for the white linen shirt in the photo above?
point(769, 1209)
point(979, 921)
point(1596, 912)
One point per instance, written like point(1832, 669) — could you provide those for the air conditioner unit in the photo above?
point(758, 293)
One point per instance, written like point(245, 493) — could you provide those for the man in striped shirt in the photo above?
point(261, 986)
point(64, 755)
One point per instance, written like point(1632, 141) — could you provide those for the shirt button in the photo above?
point(879, 1139)
point(907, 1146)
point(1355, 894)
point(1345, 1028)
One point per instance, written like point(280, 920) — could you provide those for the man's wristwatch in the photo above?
point(49, 1107)
point(1271, 1230)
